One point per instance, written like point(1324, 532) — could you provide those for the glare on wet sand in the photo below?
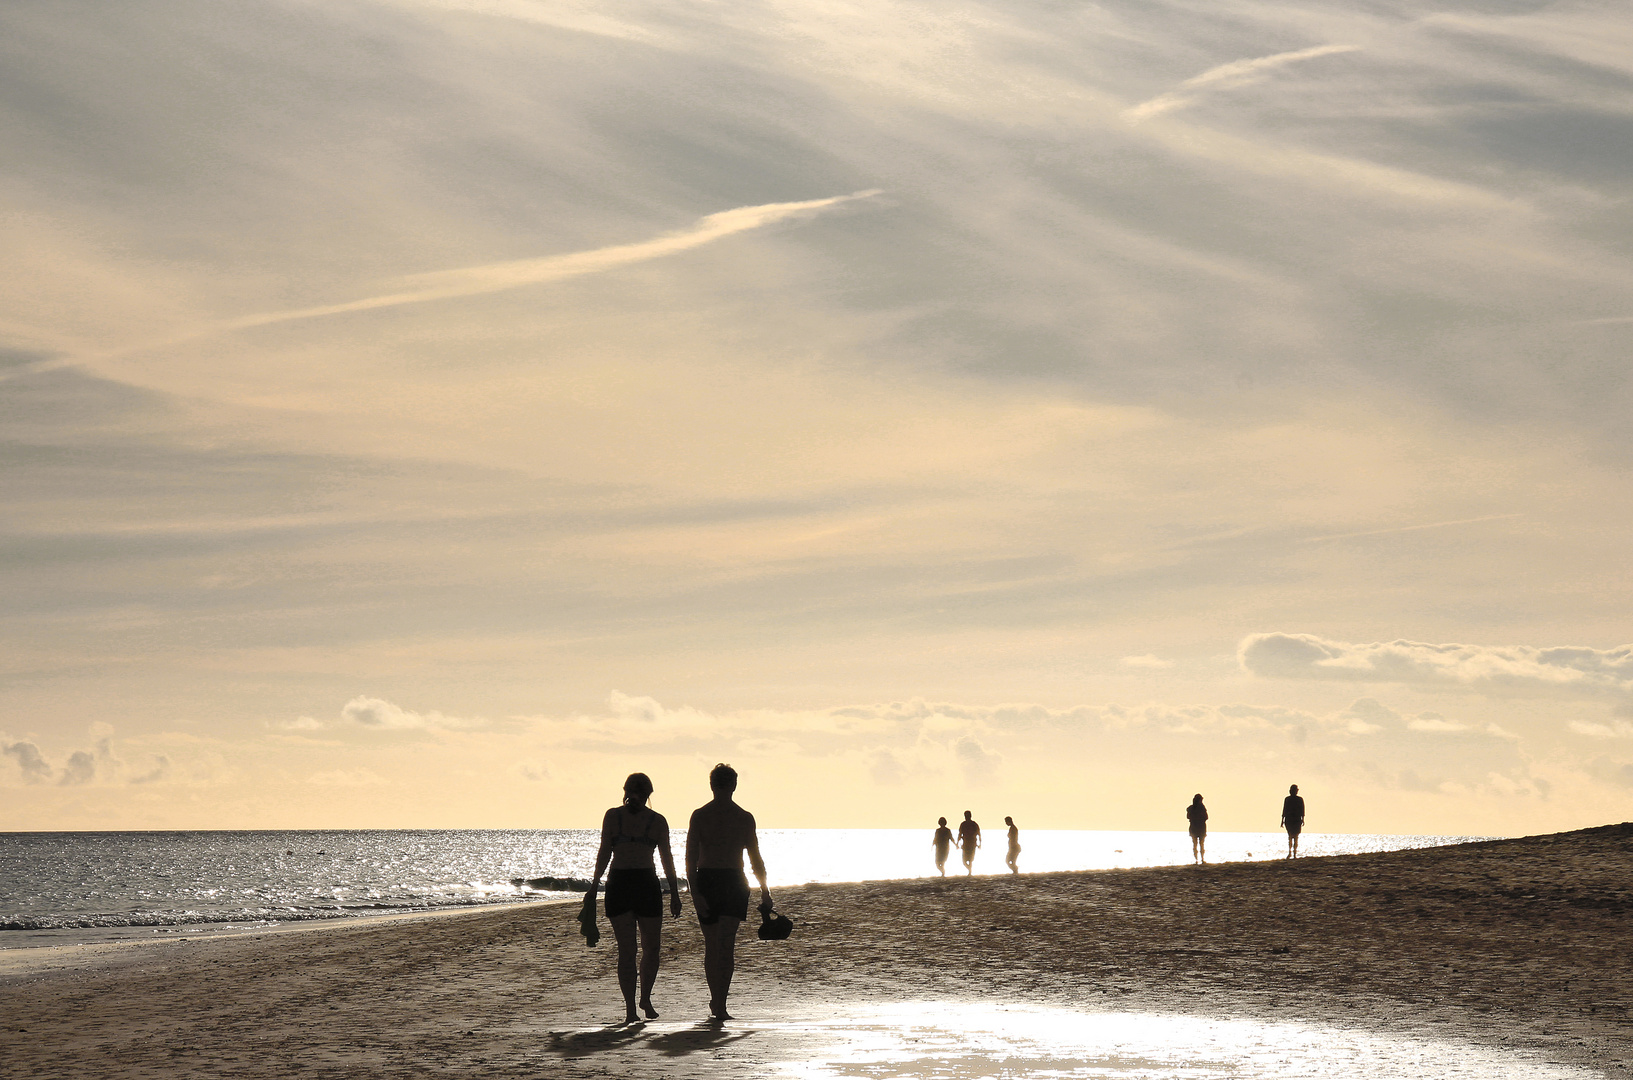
point(970, 1041)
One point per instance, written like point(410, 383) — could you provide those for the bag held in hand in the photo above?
point(586, 920)
point(774, 927)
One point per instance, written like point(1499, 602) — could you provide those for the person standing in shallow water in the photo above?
point(630, 833)
point(969, 838)
point(1014, 846)
point(943, 843)
point(1292, 819)
point(720, 833)
point(1197, 815)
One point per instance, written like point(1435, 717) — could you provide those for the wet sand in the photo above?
point(1521, 947)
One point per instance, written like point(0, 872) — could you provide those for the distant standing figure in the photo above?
point(943, 843)
point(716, 840)
point(630, 833)
point(1197, 815)
point(1014, 846)
point(1292, 819)
point(969, 838)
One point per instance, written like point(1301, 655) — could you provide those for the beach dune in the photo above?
point(1519, 946)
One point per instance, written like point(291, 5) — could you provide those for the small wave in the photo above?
point(551, 884)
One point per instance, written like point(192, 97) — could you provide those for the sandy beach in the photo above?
point(1521, 948)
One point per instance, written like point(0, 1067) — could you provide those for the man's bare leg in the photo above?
point(651, 938)
point(720, 962)
point(623, 929)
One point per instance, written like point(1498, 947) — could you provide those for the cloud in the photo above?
point(1225, 77)
point(532, 770)
point(887, 769)
point(1616, 729)
point(980, 765)
point(1616, 773)
point(1146, 661)
point(379, 714)
point(36, 770)
point(1518, 670)
point(516, 273)
point(300, 723)
point(81, 769)
point(346, 778)
point(160, 770)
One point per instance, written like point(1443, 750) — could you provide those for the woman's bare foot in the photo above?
point(646, 1007)
point(717, 1009)
point(630, 1016)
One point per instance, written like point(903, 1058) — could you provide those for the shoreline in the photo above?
point(1227, 847)
point(1516, 946)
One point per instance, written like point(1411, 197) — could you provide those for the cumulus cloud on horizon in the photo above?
point(1521, 670)
point(381, 715)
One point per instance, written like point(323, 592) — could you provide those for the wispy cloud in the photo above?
point(516, 273)
point(1225, 77)
point(1409, 528)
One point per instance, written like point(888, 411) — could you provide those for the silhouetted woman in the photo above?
point(942, 842)
point(1197, 815)
point(1014, 846)
point(630, 833)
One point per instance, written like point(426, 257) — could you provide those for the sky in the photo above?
point(423, 413)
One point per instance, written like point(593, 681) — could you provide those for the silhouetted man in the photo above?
point(719, 833)
point(969, 838)
point(1292, 819)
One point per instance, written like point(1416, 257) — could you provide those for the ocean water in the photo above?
point(65, 888)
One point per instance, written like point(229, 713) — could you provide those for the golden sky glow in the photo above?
point(424, 413)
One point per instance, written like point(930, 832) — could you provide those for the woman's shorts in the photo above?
point(1199, 831)
point(725, 892)
point(634, 890)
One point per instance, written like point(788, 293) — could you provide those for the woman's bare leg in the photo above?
point(623, 928)
point(651, 938)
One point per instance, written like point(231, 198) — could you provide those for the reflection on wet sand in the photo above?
point(966, 1042)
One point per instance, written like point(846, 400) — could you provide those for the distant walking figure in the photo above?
point(969, 838)
point(1292, 819)
point(1197, 815)
point(943, 843)
point(630, 833)
point(1014, 846)
point(719, 834)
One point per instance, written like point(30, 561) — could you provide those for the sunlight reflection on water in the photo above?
point(968, 1042)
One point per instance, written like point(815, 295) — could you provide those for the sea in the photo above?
point(66, 888)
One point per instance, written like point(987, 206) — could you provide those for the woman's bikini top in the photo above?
point(623, 838)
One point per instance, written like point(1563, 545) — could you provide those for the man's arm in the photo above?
point(693, 853)
point(757, 864)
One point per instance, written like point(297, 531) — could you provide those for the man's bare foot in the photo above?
point(630, 1017)
point(646, 1007)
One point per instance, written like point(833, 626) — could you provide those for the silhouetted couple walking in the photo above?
point(718, 836)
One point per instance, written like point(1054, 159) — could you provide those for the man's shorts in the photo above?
point(724, 892)
point(634, 890)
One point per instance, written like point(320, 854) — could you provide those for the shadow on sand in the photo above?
point(708, 1035)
